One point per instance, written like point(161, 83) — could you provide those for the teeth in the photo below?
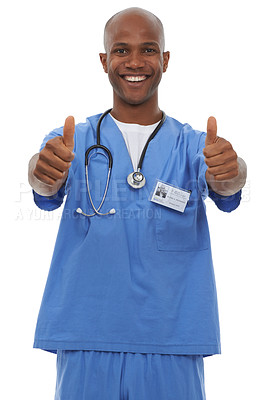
point(135, 78)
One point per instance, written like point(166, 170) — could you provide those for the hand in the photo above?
point(220, 156)
point(56, 157)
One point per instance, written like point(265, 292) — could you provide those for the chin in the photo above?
point(135, 100)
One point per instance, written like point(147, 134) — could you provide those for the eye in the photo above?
point(149, 50)
point(120, 51)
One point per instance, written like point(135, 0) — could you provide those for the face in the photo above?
point(134, 58)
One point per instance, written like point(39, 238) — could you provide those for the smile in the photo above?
point(135, 78)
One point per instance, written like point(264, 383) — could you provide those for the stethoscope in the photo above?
point(135, 179)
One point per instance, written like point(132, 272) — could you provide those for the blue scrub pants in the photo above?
point(102, 375)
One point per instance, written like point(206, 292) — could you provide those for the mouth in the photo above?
point(135, 78)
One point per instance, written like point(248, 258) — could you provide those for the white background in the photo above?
point(50, 69)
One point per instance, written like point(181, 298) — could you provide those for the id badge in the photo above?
point(170, 196)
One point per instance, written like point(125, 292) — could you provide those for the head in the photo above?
point(134, 57)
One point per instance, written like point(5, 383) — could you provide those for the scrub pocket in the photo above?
point(187, 231)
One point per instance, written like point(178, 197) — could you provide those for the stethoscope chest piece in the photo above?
point(136, 180)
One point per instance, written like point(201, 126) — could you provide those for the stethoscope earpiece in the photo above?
point(79, 211)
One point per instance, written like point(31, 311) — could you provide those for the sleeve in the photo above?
point(224, 203)
point(50, 203)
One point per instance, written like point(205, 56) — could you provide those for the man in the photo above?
point(130, 303)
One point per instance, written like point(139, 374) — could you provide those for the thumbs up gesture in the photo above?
point(220, 156)
point(55, 159)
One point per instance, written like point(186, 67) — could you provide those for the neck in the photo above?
point(142, 114)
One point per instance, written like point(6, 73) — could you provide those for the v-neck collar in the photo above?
point(119, 136)
point(112, 137)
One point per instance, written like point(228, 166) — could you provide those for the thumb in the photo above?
point(211, 131)
point(68, 133)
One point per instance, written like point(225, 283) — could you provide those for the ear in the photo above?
point(166, 57)
point(103, 58)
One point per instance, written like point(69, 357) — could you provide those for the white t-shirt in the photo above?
point(135, 137)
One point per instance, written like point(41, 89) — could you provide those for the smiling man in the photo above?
point(135, 60)
point(130, 303)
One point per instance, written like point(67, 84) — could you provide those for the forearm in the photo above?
point(39, 187)
point(230, 186)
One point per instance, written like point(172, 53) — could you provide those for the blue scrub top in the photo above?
point(140, 280)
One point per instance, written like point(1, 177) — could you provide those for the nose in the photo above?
point(134, 60)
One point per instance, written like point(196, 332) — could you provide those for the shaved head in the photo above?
point(135, 60)
point(133, 12)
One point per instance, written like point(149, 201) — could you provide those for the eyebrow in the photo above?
point(150, 44)
point(142, 44)
point(120, 44)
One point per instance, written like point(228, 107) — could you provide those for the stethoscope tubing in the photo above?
point(99, 146)
point(110, 164)
point(99, 126)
